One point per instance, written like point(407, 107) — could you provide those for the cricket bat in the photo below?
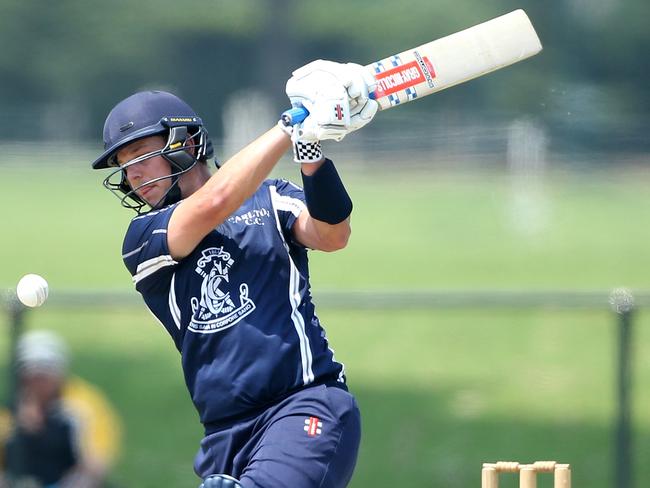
point(447, 61)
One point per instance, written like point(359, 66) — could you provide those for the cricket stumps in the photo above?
point(527, 473)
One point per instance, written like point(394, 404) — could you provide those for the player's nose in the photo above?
point(133, 173)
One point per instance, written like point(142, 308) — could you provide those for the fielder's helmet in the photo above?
point(41, 351)
point(145, 114)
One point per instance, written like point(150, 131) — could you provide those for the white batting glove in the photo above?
point(328, 104)
point(355, 79)
point(361, 114)
point(336, 96)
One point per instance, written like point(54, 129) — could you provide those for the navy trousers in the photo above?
point(308, 440)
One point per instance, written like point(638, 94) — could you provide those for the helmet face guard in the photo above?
point(184, 147)
point(146, 114)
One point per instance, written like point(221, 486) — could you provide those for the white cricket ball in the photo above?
point(32, 290)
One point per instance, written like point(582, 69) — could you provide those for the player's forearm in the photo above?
point(224, 192)
point(242, 174)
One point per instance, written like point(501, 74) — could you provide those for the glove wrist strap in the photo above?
point(307, 152)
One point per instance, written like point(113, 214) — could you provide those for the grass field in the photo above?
point(441, 391)
point(410, 230)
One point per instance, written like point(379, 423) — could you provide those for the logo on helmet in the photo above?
point(182, 119)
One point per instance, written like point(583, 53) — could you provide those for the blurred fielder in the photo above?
point(62, 432)
point(221, 261)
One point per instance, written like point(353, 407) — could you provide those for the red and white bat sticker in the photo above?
point(393, 80)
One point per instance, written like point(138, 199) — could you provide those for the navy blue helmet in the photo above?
point(145, 114)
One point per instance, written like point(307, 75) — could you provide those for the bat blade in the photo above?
point(453, 59)
point(447, 61)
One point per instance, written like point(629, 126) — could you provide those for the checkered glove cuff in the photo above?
point(307, 152)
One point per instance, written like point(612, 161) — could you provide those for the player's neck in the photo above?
point(194, 179)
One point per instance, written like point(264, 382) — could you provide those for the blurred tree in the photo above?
point(72, 60)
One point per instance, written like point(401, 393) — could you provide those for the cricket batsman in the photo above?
point(221, 261)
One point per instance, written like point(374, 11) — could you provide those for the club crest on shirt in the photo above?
point(218, 308)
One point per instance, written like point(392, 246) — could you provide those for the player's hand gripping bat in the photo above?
point(446, 62)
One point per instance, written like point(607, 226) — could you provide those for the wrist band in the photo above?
point(326, 197)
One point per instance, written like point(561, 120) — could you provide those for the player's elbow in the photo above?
point(338, 238)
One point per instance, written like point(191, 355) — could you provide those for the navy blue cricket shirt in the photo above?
point(238, 307)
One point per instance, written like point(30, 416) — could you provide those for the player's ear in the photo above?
point(190, 144)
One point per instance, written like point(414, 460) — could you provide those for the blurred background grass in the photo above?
point(412, 228)
point(534, 178)
point(441, 390)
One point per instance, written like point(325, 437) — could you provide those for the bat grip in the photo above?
point(294, 116)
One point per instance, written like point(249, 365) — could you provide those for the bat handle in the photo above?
point(294, 116)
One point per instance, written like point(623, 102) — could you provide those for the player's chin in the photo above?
point(149, 194)
point(155, 200)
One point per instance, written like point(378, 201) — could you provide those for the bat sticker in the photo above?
point(405, 76)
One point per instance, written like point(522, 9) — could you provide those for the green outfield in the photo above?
point(411, 229)
point(441, 391)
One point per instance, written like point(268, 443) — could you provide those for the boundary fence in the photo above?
point(622, 302)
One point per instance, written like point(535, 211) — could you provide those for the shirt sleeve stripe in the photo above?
point(135, 251)
point(294, 296)
point(287, 203)
point(174, 310)
point(149, 267)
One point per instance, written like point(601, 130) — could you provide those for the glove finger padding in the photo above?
point(357, 80)
point(360, 82)
point(362, 114)
point(314, 85)
point(316, 65)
